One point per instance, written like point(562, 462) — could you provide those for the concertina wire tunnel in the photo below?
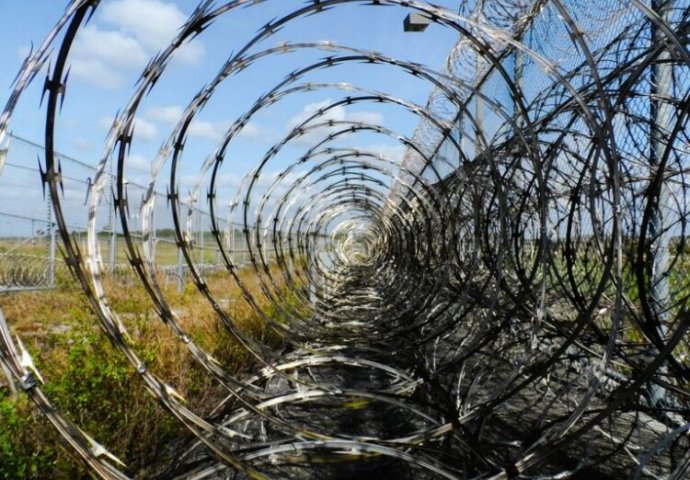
point(465, 313)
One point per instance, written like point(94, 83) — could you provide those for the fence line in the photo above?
point(29, 256)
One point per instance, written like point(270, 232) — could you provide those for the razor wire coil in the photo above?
point(508, 301)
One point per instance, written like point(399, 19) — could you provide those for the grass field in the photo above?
point(26, 261)
point(91, 383)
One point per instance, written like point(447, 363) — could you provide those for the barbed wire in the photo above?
point(508, 301)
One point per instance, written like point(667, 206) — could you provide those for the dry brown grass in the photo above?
point(90, 381)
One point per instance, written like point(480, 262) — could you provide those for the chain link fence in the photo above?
point(29, 254)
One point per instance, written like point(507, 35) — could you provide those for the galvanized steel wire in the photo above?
point(509, 302)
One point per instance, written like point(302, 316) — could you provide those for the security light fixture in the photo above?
point(416, 22)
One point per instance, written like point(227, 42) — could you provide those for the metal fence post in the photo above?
point(661, 80)
point(218, 259)
point(52, 247)
point(180, 271)
point(113, 227)
point(263, 244)
point(202, 240)
point(479, 106)
point(519, 75)
point(232, 243)
point(154, 238)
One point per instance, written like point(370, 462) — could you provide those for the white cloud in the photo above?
point(171, 115)
point(145, 130)
point(124, 36)
point(233, 181)
point(217, 130)
point(99, 56)
point(284, 182)
point(393, 153)
point(310, 109)
point(97, 73)
point(112, 48)
point(253, 131)
point(208, 130)
point(167, 115)
point(104, 123)
point(138, 163)
point(372, 118)
point(229, 180)
point(338, 114)
point(153, 23)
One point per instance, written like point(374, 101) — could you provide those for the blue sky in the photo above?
point(112, 50)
